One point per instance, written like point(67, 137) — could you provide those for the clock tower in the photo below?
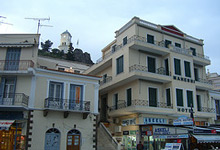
point(65, 41)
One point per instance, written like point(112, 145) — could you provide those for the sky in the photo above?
point(94, 22)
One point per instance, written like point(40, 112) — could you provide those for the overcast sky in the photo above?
point(94, 22)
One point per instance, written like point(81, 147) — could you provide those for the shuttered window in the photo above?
point(189, 95)
point(177, 66)
point(179, 97)
point(153, 97)
point(120, 64)
point(151, 64)
point(187, 69)
point(168, 98)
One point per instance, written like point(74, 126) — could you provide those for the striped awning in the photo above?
point(207, 138)
point(5, 124)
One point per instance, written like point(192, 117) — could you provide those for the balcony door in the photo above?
point(55, 95)
point(152, 97)
point(129, 97)
point(12, 59)
point(76, 97)
point(151, 64)
point(7, 91)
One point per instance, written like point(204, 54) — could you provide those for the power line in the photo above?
point(1, 22)
point(39, 22)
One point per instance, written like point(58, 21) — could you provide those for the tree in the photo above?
point(69, 55)
point(46, 46)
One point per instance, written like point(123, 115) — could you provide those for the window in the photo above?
point(178, 45)
point(187, 69)
point(189, 95)
point(199, 104)
point(152, 97)
point(76, 93)
point(61, 69)
point(193, 51)
point(167, 43)
point(120, 65)
point(104, 77)
point(179, 97)
point(113, 48)
point(196, 74)
point(115, 101)
point(177, 66)
point(12, 59)
point(151, 64)
point(150, 39)
point(125, 40)
point(168, 98)
point(129, 97)
point(166, 62)
point(55, 90)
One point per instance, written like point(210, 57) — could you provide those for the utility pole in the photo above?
point(1, 22)
point(39, 24)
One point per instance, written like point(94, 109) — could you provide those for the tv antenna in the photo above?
point(39, 24)
point(1, 22)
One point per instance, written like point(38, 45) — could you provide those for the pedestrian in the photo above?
point(140, 146)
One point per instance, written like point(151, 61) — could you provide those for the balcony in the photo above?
point(201, 59)
point(160, 74)
point(140, 106)
point(206, 109)
point(105, 80)
point(65, 105)
point(203, 84)
point(14, 101)
point(20, 66)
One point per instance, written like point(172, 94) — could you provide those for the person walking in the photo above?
point(140, 146)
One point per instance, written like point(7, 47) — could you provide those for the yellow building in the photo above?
point(152, 74)
point(43, 107)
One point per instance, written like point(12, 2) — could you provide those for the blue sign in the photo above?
point(155, 121)
point(183, 120)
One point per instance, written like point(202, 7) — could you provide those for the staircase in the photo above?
point(105, 139)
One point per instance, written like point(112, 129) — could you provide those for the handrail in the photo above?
point(116, 145)
point(14, 99)
point(12, 65)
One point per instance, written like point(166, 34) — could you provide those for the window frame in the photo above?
point(118, 70)
point(187, 74)
point(188, 100)
point(175, 71)
point(149, 38)
point(177, 97)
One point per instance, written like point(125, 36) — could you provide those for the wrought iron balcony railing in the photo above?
point(160, 70)
point(156, 43)
point(207, 109)
point(105, 80)
point(14, 65)
point(123, 104)
point(14, 99)
point(67, 104)
point(203, 81)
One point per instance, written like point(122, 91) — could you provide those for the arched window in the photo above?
point(73, 139)
point(52, 139)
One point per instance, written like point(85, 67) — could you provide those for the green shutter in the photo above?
point(177, 66)
point(189, 98)
point(198, 102)
point(179, 97)
point(153, 97)
point(187, 69)
point(120, 64)
point(168, 97)
point(151, 64)
point(129, 97)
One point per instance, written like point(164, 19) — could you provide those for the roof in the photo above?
point(67, 32)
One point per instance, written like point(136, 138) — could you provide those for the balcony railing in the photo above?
point(14, 65)
point(105, 80)
point(123, 104)
point(204, 81)
point(14, 99)
point(67, 104)
point(157, 43)
point(160, 70)
point(206, 109)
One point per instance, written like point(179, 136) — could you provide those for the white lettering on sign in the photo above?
point(155, 121)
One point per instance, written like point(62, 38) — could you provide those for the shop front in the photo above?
point(156, 136)
point(130, 139)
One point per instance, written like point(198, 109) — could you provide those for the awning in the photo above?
point(207, 138)
point(5, 124)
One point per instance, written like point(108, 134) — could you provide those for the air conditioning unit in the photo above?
point(117, 128)
point(207, 124)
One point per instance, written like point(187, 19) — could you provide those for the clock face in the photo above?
point(64, 36)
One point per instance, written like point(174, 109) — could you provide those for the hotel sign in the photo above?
point(183, 120)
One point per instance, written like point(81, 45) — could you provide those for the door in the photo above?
point(153, 97)
point(129, 96)
point(103, 111)
point(12, 59)
point(166, 67)
point(7, 91)
point(52, 141)
point(76, 97)
point(196, 74)
point(151, 64)
point(73, 142)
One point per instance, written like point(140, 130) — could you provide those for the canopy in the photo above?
point(5, 124)
point(207, 138)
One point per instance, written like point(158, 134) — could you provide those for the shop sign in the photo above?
point(155, 121)
point(125, 132)
point(181, 136)
point(161, 131)
point(183, 120)
point(129, 122)
point(204, 131)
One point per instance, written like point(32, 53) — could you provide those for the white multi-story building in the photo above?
point(152, 74)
